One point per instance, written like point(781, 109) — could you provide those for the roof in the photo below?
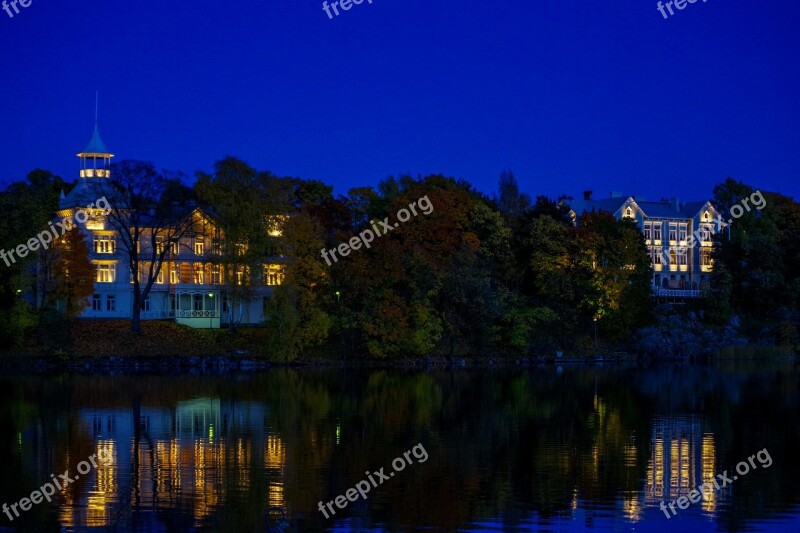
point(96, 145)
point(85, 192)
point(662, 209)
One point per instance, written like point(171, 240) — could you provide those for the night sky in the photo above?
point(569, 95)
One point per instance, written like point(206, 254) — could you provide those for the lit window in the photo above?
point(111, 302)
point(216, 274)
point(673, 256)
point(705, 258)
point(241, 249)
point(199, 247)
point(106, 273)
point(242, 275)
point(175, 248)
point(648, 231)
point(655, 256)
point(706, 231)
point(682, 256)
point(197, 273)
point(628, 212)
point(683, 230)
point(104, 244)
point(673, 231)
point(657, 231)
point(159, 245)
point(160, 276)
point(173, 274)
point(705, 216)
point(273, 274)
point(216, 248)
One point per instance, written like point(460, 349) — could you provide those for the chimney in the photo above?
point(587, 195)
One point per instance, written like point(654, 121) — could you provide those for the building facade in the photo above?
point(678, 238)
point(194, 286)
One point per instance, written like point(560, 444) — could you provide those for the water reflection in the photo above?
point(579, 449)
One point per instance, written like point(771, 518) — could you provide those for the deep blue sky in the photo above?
point(602, 95)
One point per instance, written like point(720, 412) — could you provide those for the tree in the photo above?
point(512, 203)
point(150, 213)
point(245, 205)
point(66, 273)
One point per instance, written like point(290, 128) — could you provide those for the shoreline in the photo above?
point(244, 364)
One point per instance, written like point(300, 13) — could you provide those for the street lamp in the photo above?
point(213, 308)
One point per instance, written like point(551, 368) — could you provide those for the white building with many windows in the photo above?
point(678, 237)
point(191, 285)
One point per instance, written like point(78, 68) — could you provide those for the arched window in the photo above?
point(628, 213)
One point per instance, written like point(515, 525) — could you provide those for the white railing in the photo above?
point(677, 293)
point(197, 314)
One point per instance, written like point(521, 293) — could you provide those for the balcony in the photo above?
point(661, 292)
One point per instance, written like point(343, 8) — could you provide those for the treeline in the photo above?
point(477, 275)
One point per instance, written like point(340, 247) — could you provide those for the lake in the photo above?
point(572, 448)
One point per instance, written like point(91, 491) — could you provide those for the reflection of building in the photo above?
point(186, 459)
point(682, 457)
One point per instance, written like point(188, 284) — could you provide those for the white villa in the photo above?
point(190, 287)
point(678, 237)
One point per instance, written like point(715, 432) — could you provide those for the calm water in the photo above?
point(549, 449)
